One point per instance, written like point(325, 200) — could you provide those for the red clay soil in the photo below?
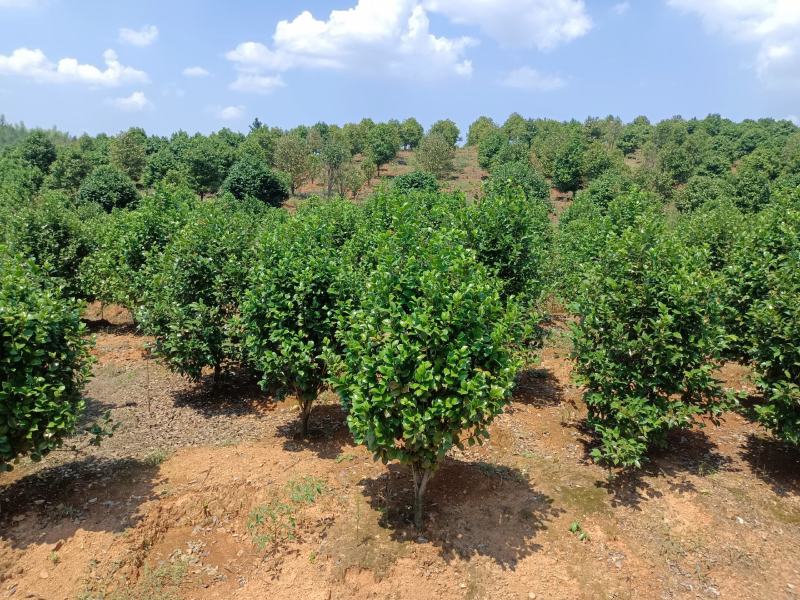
point(209, 494)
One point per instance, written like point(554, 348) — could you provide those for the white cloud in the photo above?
point(144, 36)
point(136, 102)
point(794, 119)
point(35, 65)
point(621, 7)
point(773, 26)
point(390, 37)
point(230, 113)
point(542, 24)
point(260, 84)
point(526, 78)
point(195, 72)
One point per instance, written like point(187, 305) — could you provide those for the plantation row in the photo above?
point(417, 306)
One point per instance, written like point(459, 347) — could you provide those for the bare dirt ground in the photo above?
point(209, 493)
point(466, 176)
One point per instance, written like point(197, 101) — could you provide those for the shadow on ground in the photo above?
point(472, 509)
point(328, 434)
point(538, 387)
point(233, 395)
point(94, 494)
point(774, 462)
point(688, 453)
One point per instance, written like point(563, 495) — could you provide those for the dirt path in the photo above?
point(208, 494)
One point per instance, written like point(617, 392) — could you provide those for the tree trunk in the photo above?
point(217, 373)
point(421, 478)
point(305, 414)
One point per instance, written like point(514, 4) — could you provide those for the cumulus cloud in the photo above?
point(542, 24)
point(260, 84)
point(195, 72)
point(34, 64)
point(230, 113)
point(144, 36)
point(527, 78)
point(136, 102)
point(390, 37)
point(772, 26)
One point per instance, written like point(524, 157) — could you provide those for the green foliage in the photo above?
point(415, 181)
point(701, 189)
point(383, 142)
point(518, 177)
point(447, 129)
point(68, 171)
point(717, 225)
point(250, 177)
point(648, 335)
point(55, 235)
point(489, 146)
point(44, 361)
point(108, 187)
point(116, 272)
point(411, 133)
point(38, 150)
point(424, 363)
point(511, 235)
point(435, 155)
point(194, 286)
point(751, 189)
point(568, 165)
point(607, 187)
point(289, 310)
point(292, 156)
point(128, 153)
point(479, 130)
point(775, 325)
point(207, 161)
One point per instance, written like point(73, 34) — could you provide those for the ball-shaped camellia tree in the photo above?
point(289, 310)
point(424, 363)
point(192, 296)
point(44, 361)
point(648, 339)
point(252, 177)
point(109, 187)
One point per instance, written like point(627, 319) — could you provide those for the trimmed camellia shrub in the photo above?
point(289, 310)
point(55, 235)
point(762, 300)
point(648, 337)
point(776, 333)
point(511, 236)
point(424, 364)
point(252, 177)
point(44, 361)
point(192, 296)
point(415, 181)
point(115, 271)
point(510, 178)
point(108, 187)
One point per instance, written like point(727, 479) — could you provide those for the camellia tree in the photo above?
point(191, 299)
point(108, 187)
point(44, 361)
point(251, 177)
point(289, 309)
point(648, 339)
point(383, 143)
point(447, 129)
point(435, 155)
point(424, 363)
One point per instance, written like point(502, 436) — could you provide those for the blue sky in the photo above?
point(90, 65)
